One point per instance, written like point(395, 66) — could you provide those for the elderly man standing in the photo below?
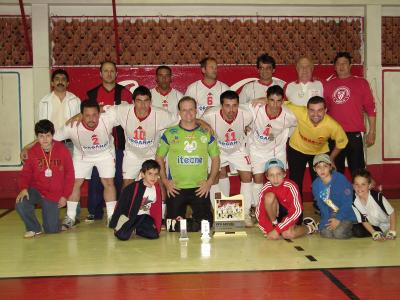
point(348, 97)
point(300, 91)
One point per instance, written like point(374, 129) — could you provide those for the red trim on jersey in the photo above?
point(297, 81)
point(265, 84)
point(270, 117)
point(90, 129)
point(141, 119)
point(227, 121)
point(163, 94)
point(209, 86)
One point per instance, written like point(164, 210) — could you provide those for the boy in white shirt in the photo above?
point(375, 216)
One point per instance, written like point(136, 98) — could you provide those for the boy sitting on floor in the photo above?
point(139, 206)
point(376, 217)
point(333, 193)
point(280, 208)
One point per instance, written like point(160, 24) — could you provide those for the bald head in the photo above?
point(304, 68)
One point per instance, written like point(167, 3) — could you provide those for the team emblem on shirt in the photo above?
point(265, 136)
point(139, 138)
point(341, 95)
point(230, 140)
point(190, 146)
point(95, 139)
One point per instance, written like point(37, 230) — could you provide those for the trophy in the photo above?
point(205, 230)
point(183, 229)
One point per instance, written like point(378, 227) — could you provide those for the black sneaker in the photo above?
point(90, 218)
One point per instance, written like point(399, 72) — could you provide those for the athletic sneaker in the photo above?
point(31, 234)
point(68, 223)
point(90, 218)
point(311, 225)
point(248, 221)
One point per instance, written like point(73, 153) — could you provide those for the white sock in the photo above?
point(164, 210)
point(256, 193)
point(246, 189)
point(225, 186)
point(214, 189)
point(110, 206)
point(71, 209)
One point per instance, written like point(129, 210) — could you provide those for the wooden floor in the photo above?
point(87, 262)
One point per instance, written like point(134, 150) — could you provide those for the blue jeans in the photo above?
point(95, 189)
point(50, 213)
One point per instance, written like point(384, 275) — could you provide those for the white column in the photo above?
point(373, 67)
point(41, 52)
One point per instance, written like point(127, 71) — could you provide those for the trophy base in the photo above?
point(229, 233)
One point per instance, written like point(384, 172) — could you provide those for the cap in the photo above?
point(274, 162)
point(321, 158)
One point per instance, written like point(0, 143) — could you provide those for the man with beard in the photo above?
point(93, 147)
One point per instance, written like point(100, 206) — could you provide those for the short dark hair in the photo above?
point(344, 54)
point(275, 90)
point(163, 68)
point(107, 62)
point(141, 90)
point(266, 59)
point(316, 100)
point(89, 103)
point(187, 98)
point(362, 173)
point(58, 72)
point(204, 61)
point(230, 95)
point(44, 126)
point(149, 164)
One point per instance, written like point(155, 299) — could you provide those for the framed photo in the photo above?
point(228, 215)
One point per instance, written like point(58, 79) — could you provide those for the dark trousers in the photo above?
point(145, 227)
point(95, 189)
point(297, 165)
point(354, 152)
point(50, 213)
point(201, 206)
point(360, 231)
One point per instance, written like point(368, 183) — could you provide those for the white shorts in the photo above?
point(132, 164)
point(239, 160)
point(106, 167)
point(259, 158)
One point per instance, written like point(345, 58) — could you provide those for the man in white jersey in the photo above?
point(271, 127)
point(93, 147)
point(142, 124)
point(300, 91)
point(258, 89)
point(229, 122)
point(207, 91)
point(163, 95)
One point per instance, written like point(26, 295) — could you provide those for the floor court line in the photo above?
point(339, 284)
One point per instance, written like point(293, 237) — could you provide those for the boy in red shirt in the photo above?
point(280, 208)
point(46, 179)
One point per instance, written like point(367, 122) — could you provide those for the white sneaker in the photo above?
point(248, 221)
point(68, 223)
point(311, 225)
point(31, 234)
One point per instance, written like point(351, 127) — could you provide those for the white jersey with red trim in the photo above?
point(257, 89)
point(299, 93)
point(90, 144)
point(168, 101)
point(206, 95)
point(270, 133)
point(231, 137)
point(142, 135)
